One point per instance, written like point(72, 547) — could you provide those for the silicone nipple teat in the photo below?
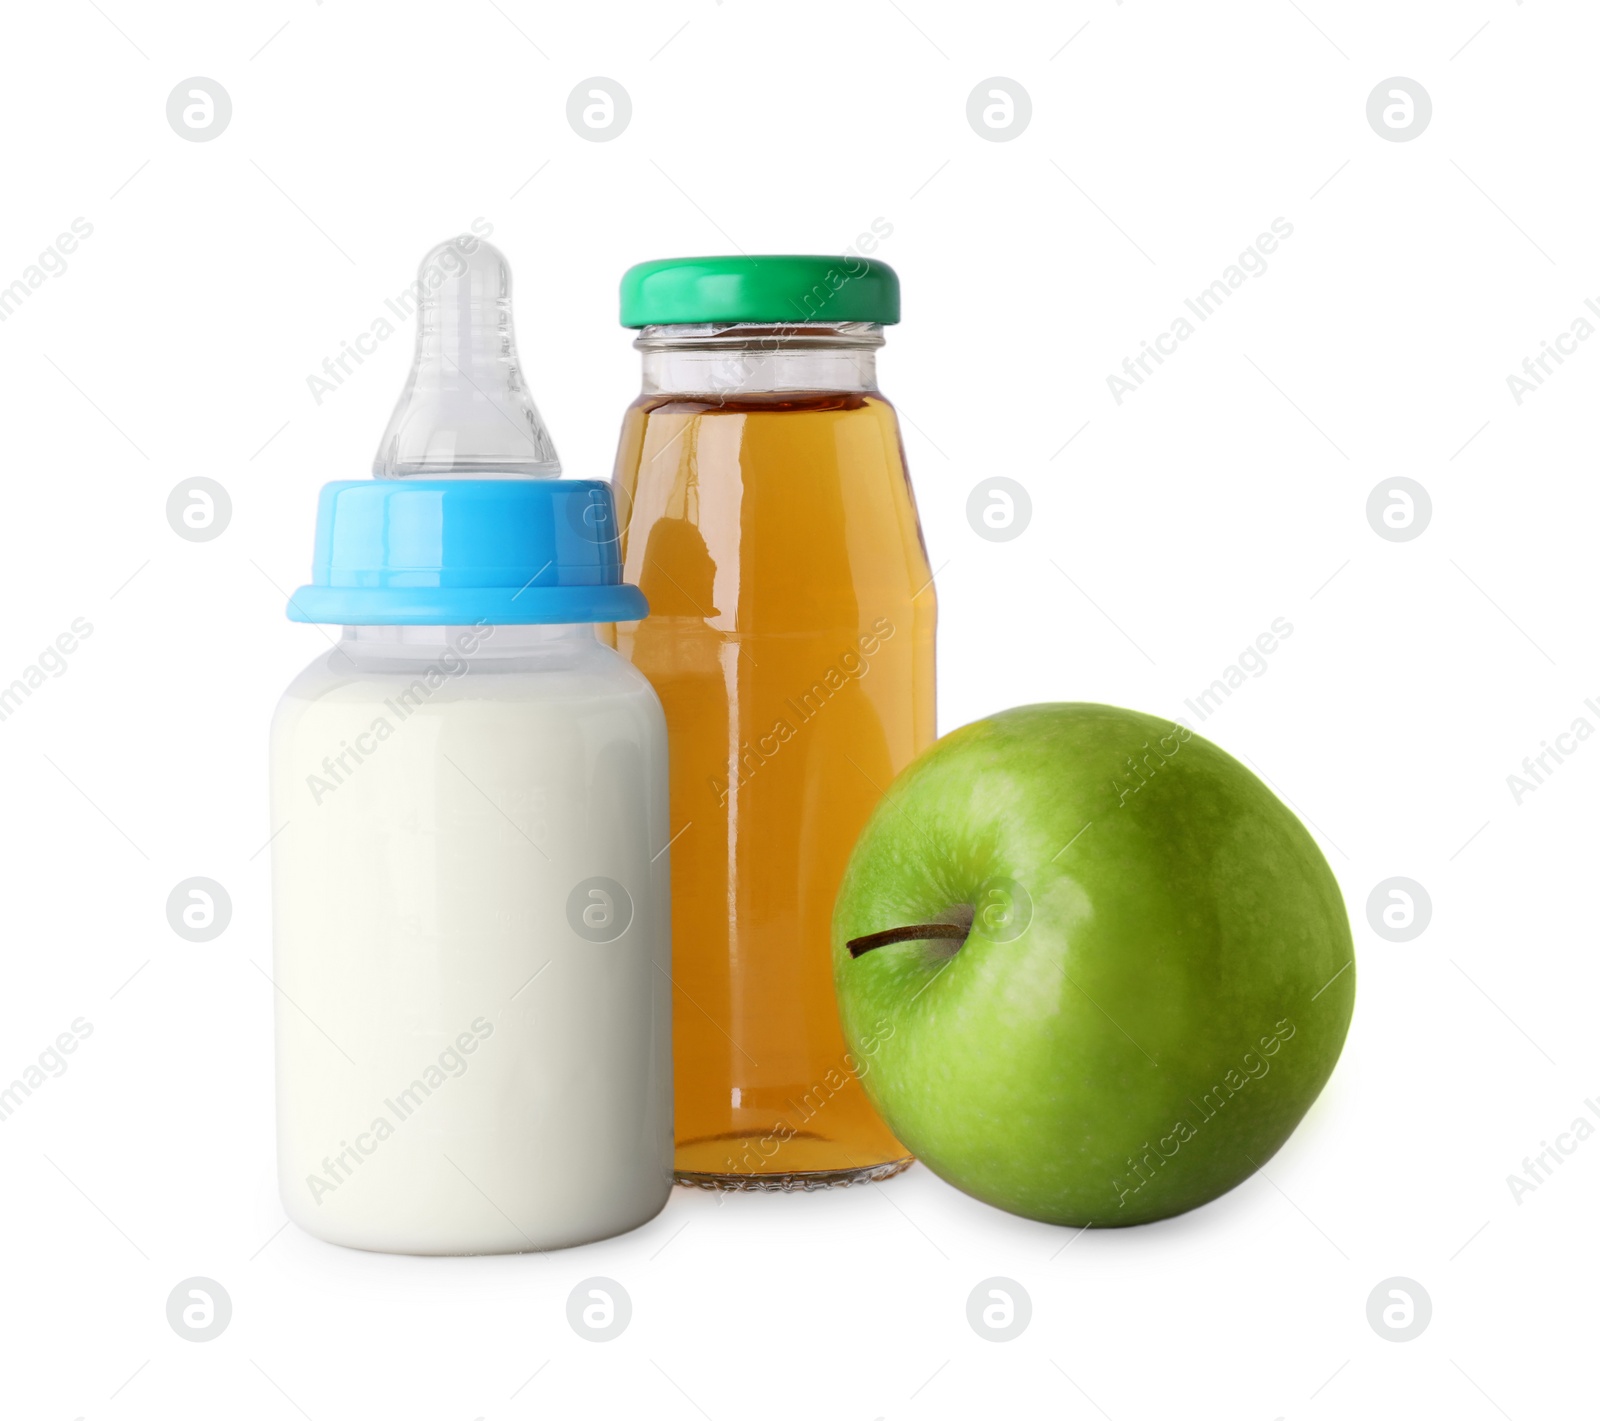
point(465, 411)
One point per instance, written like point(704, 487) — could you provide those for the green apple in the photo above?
point(1090, 968)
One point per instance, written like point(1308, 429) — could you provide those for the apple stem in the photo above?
point(915, 933)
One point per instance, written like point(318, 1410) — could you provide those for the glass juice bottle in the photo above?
point(769, 520)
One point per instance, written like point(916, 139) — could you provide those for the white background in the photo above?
point(1228, 491)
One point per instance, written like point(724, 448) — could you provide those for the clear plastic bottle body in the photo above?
point(770, 521)
point(471, 941)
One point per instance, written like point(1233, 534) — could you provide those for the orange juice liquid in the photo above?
point(791, 641)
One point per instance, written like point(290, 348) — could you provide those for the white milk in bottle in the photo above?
point(470, 851)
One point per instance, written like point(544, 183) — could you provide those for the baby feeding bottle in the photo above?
point(470, 850)
point(770, 522)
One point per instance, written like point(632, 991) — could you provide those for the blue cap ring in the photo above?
point(450, 552)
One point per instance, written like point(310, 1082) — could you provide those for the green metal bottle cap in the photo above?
point(770, 290)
